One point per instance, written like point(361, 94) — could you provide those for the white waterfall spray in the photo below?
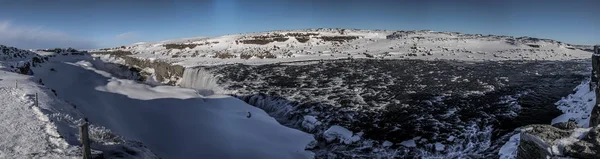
point(201, 80)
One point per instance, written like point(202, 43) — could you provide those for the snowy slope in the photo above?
point(173, 122)
point(285, 46)
point(49, 130)
point(25, 132)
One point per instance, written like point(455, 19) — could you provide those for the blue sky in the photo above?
point(109, 23)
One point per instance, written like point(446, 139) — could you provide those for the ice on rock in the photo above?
point(577, 106)
point(409, 143)
point(509, 150)
point(451, 138)
point(344, 135)
point(310, 122)
point(387, 144)
point(439, 146)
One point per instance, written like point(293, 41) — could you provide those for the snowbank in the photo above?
point(50, 128)
point(577, 106)
point(310, 122)
point(409, 143)
point(344, 135)
point(509, 149)
point(173, 122)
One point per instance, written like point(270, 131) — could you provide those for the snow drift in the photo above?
point(173, 122)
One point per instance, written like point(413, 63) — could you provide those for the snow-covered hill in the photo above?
point(317, 44)
point(128, 119)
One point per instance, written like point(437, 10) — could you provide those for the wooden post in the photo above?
point(16, 84)
point(85, 141)
point(36, 100)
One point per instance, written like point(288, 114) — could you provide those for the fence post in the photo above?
point(85, 141)
point(36, 100)
point(595, 114)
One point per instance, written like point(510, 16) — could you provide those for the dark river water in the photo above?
point(469, 107)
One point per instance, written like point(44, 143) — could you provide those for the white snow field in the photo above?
point(577, 106)
point(172, 122)
point(285, 46)
point(50, 129)
point(25, 132)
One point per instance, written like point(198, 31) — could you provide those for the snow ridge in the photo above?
point(327, 43)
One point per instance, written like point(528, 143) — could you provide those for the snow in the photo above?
point(173, 122)
point(310, 122)
point(24, 131)
point(509, 149)
point(430, 45)
point(409, 143)
point(439, 146)
point(578, 106)
point(338, 132)
point(387, 144)
point(451, 138)
point(139, 91)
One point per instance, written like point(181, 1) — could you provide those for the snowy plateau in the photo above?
point(313, 93)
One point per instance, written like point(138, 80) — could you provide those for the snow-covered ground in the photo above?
point(386, 44)
point(577, 106)
point(26, 132)
point(170, 121)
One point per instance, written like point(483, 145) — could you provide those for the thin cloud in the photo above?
point(126, 35)
point(27, 37)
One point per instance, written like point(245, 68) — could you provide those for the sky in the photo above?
point(87, 24)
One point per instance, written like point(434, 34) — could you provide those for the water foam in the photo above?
point(201, 80)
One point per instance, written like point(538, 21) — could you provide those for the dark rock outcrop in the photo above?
point(546, 133)
point(536, 140)
point(595, 114)
point(25, 69)
point(587, 147)
point(566, 125)
point(532, 147)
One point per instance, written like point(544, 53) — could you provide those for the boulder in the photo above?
point(570, 125)
point(587, 147)
point(547, 133)
point(595, 114)
point(532, 147)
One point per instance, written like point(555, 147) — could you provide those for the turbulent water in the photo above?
point(200, 79)
point(450, 108)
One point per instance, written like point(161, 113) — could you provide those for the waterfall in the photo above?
point(201, 80)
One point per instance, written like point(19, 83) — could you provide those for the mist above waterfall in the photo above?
point(201, 80)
